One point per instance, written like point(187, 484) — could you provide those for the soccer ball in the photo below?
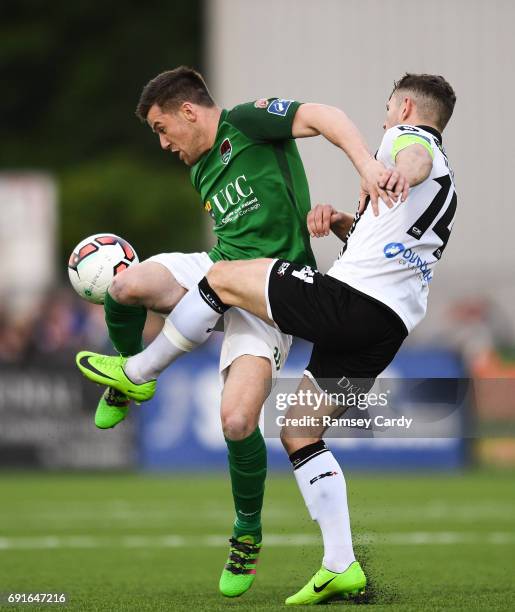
point(95, 261)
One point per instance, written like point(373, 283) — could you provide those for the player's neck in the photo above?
point(415, 120)
point(212, 120)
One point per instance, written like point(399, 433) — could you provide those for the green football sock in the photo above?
point(125, 325)
point(247, 466)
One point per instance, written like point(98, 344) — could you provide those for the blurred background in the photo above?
point(75, 161)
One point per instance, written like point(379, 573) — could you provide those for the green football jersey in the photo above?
point(253, 184)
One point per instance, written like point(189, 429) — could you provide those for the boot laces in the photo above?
point(240, 555)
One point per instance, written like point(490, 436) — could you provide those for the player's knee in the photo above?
point(292, 442)
point(218, 277)
point(286, 441)
point(237, 426)
point(125, 288)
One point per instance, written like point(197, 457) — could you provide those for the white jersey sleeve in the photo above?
point(391, 258)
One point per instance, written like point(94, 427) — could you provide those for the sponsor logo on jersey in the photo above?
point(409, 257)
point(279, 107)
point(208, 208)
point(232, 194)
point(282, 268)
point(353, 388)
point(226, 151)
point(392, 249)
point(261, 103)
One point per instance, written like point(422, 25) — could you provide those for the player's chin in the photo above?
point(192, 157)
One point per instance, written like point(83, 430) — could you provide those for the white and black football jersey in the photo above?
point(392, 257)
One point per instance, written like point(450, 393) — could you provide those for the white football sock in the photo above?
point(196, 315)
point(190, 323)
point(323, 487)
point(158, 355)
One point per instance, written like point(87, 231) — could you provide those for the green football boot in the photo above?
point(240, 570)
point(108, 371)
point(112, 408)
point(328, 585)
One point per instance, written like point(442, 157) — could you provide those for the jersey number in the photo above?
point(441, 228)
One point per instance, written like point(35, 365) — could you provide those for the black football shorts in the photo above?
point(354, 336)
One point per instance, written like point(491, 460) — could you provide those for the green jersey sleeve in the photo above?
point(265, 119)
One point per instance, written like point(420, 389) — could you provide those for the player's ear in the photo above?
point(188, 111)
point(406, 108)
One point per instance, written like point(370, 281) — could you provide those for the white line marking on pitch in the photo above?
point(413, 538)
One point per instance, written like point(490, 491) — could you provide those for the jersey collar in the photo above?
point(223, 115)
point(205, 155)
point(431, 130)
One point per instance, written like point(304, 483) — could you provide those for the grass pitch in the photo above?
point(134, 542)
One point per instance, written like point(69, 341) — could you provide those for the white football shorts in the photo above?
point(244, 334)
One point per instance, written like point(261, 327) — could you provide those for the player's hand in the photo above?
point(377, 181)
point(370, 194)
point(395, 184)
point(373, 177)
point(322, 218)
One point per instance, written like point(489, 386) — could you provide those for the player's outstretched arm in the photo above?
point(332, 123)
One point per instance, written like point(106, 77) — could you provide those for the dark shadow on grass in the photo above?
point(378, 591)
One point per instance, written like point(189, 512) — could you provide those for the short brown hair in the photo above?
point(437, 97)
point(171, 88)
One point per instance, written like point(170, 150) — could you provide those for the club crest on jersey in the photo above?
point(279, 107)
point(226, 151)
point(261, 103)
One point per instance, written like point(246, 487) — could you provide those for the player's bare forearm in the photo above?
point(415, 163)
point(332, 123)
point(342, 224)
